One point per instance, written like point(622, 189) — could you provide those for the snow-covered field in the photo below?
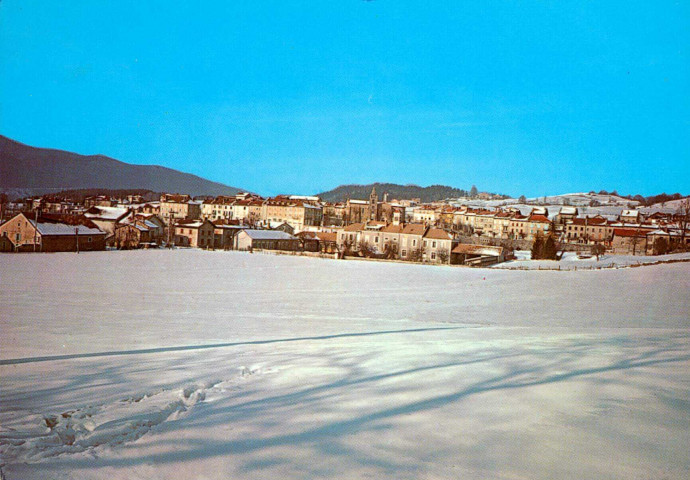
point(571, 261)
point(217, 365)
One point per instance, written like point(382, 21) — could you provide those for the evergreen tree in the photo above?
point(473, 191)
point(550, 250)
point(538, 247)
point(661, 246)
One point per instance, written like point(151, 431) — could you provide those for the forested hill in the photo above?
point(395, 191)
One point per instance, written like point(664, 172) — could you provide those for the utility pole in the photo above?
point(170, 227)
point(76, 232)
point(35, 229)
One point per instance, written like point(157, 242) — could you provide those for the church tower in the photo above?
point(373, 205)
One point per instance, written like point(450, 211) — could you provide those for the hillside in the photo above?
point(401, 192)
point(26, 170)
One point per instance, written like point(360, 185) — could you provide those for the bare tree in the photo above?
point(598, 249)
point(684, 219)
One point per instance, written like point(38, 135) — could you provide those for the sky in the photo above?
point(515, 97)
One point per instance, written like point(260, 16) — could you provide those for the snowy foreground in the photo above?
point(223, 365)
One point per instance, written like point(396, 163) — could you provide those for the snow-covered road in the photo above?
point(192, 364)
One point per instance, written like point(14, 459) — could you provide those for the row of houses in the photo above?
point(413, 242)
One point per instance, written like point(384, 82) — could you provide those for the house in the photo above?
point(518, 227)
point(296, 212)
point(283, 227)
point(411, 236)
point(195, 233)
point(251, 239)
point(53, 233)
point(328, 242)
point(174, 207)
point(220, 207)
point(225, 232)
point(106, 218)
point(536, 224)
point(477, 255)
point(371, 238)
point(349, 237)
point(426, 214)
point(99, 201)
point(136, 234)
point(595, 229)
point(630, 216)
point(566, 214)
point(437, 246)
point(629, 241)
point(391, 239)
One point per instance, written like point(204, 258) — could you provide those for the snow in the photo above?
point(571, 261)
point(269, 234)
point(190, 364)
point(107, 213)
point(50, 228)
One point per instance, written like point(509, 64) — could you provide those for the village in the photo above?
point(444, 232)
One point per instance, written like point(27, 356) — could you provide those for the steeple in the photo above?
point(373, 204)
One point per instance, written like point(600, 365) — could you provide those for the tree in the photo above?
point(522, 199)
point(550, 249)
point(598, 249)
point(443, 256)
point(473, 191)
point(391, 250)
point(415, 255)
point(684, 219)
point(538, 246)
point(661, 246)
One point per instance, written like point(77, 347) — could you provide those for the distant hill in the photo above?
point(26, 171)
point(395, 191)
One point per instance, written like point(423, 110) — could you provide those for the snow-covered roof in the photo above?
point(49, 228)
point(268, 235)
point(105, 213)
point(568, 210)
point(630, 213)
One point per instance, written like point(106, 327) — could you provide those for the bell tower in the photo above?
point(373, 205)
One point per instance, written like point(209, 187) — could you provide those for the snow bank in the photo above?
point(571, 261)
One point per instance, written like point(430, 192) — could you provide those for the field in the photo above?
point(215, 365)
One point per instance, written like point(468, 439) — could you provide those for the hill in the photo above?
point(26, 170)
point(401, 192)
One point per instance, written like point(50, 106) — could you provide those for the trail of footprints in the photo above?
point(83, 429)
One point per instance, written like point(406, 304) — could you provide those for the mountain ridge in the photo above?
point(26, 170)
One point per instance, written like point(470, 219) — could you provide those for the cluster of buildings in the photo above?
point(439, 232)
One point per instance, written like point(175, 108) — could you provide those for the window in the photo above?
point(17, 237)
point(89, 239)
point(433, 244)
point(414, 242)
point(376, 239)
point(425, 243)
point(404, 253)
point(433, 255)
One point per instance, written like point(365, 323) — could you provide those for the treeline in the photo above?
point(431, 193)
point(646, 201)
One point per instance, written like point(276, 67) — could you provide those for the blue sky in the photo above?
point(285, 96)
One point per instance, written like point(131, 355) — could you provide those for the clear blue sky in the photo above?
point(284, 96)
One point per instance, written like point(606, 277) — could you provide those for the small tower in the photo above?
point(373, 204)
